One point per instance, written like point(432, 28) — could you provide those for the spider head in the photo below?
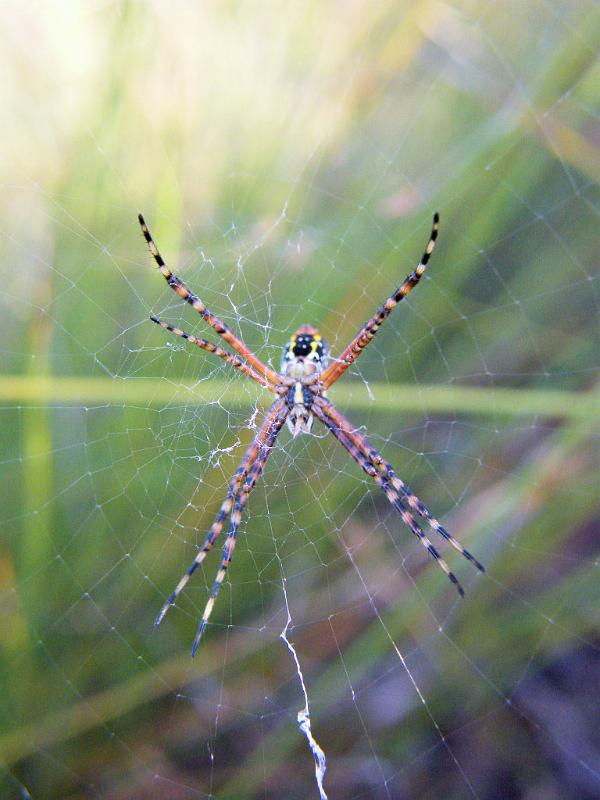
point(305, 353)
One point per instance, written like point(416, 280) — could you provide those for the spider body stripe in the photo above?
point(300, 385)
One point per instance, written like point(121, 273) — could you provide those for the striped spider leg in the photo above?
point(300, 385)
point(396, 491)
point(365, 335)
point(209, 347)
point(247, 473)
point(273, 423)
point(219, 327)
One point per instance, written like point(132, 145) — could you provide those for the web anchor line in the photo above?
point(304, 722)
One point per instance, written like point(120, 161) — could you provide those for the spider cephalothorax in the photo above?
point(305, 353)
point(300, 389)
point(303, 359)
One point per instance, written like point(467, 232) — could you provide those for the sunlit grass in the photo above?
point(457, 400)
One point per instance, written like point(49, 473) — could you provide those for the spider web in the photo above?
point(295, 183)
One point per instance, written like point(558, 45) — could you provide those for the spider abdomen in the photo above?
point(299, 399)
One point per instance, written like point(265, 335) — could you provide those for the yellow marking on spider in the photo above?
point(407, 519)
point(298, 396)
point(292, 343)
point(443, 565)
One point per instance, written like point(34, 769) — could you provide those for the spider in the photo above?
point(300, 388)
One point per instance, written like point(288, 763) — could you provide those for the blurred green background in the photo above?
point(288, 158)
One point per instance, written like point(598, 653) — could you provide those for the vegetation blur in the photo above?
point(288, 158)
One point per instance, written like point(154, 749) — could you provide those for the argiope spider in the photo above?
point(300, 395)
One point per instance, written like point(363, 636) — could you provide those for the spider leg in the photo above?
point(211, 538)
point(203, 344)
point(224, 332)
point(387, 471)
point(254, 473)
point(252, 453)
point(370, 328)
point(390, 492)
point(422, 510)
